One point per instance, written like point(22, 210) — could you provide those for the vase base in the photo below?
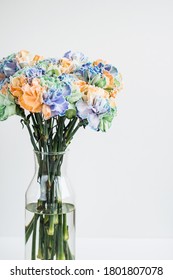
point(50, 232)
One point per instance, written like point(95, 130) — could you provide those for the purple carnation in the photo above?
point(67, 78)
point(34, 72)
point(108, 67)
point(66, 89)
point(56, 101)
point(78, 56)
point(93, 110)
point(88, 72)
point(51, 60)
point(10, 68)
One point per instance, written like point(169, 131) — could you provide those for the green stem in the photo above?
point(31, 135)
point(51, 225)
point(55, 166)
point(67, 251)
point(33, 254)
point(28, 230)
point(65, 228)
point(45, 244)
point(53, 235)
point(54, 242)
point(72, 132)
point(71, 257)
point(60, 253)
point(41, 239)
point(70, 128)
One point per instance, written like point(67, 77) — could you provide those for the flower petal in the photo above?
point(83, 109)
point(93, 121)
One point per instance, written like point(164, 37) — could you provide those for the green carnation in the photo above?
point(106, 120)
point(75, 95)
point(50, 81)
point(7, 106)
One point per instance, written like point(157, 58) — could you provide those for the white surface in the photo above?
point(101, 249)
point(123, 179)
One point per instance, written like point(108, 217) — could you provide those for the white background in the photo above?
point(123, 179)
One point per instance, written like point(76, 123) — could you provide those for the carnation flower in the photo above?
point(34, 72)
point(16, 85)
point(106, 120)
point(89, 73)
point(7, 106)
point(15, 62)
point(93, 110)
point(31, 98)
point(10, 68)
point(78, 59)
point(66, 65)
point(55, 99)
point(70, 86)
point(25, 58)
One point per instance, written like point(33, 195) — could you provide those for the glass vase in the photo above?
point(50, 210)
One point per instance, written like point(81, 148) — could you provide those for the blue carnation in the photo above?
point(55, 99)
point(67, 78)
point(93, 110)
point(10, 67)
point(34, 72)
point(108, 67)
point(88, 72)
point(77, 56)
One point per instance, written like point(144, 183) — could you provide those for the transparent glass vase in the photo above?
point(50, 210)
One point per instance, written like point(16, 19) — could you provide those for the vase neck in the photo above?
point(50, 164)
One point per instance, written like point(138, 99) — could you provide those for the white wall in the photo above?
point(123, 179)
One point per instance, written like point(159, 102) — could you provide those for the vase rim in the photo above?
point(51, 153)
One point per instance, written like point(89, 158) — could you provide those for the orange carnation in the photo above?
point(95, 63)
point(16, 85)
point(81, 84)
point(109, 79)
point(37, 58)
point(66, 65)
point(31, 99)
point(4, 89)
point(25, 57)
point(90, 92)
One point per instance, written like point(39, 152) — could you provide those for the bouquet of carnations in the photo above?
point(54, 98)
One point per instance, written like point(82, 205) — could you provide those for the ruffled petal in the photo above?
point(93, 121)
point(82, 109)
